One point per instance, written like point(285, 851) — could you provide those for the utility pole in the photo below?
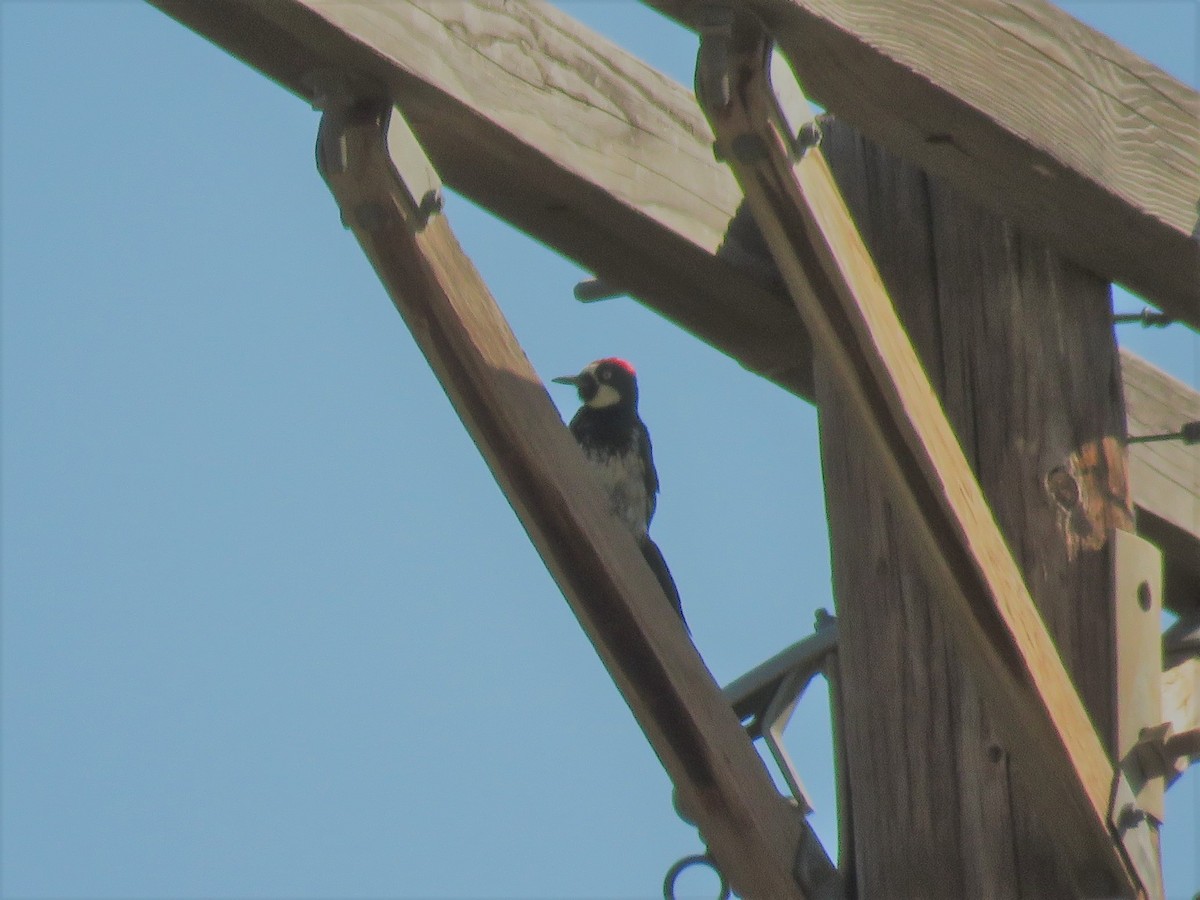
point(1019, 345)
point(1005, 720)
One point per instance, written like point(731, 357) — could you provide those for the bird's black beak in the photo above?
point(567, 379)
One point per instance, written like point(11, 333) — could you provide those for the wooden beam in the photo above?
point(1166, 477)
point(624, 182)
point(1023, 366)
point(981, 595)
point(553, 128)
point(1026, 109)
point(724, 786)
point(1181, 708)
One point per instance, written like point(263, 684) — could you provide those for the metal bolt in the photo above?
point(1130, 817)
point(1147, 317)
point(1143, 596)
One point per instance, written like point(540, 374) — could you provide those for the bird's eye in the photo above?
point(605, 375)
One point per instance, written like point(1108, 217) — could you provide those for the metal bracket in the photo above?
point(766, 696)
point(714, 24)
point(789, 110)
point(362, 139)
point(1137, 805)
point(764, 699)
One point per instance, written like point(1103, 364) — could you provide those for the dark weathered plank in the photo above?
point(624, 181)
point(987, 309)
point(721, 780)
point(1024, 108)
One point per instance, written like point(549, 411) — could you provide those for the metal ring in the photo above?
point(700, 859)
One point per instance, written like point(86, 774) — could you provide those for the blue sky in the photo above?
point(269, 627)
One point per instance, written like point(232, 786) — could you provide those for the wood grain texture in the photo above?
point(1181, 707)
point(551, 127)
point(1166, 476)
point(1066, 773)
point(1024, 108)
point(481, 79)
point(722, 782)
point(986, 309)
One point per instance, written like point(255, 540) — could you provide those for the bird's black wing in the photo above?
point(650, 474)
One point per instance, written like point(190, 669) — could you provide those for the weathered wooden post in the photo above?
point(1019, 345)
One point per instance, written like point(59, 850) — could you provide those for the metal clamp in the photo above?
point(360, 140)
point(714, 24)
point(720, 27)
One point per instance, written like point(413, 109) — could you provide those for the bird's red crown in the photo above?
point(621, 363)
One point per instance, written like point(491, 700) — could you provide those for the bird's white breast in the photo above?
point(624, 483)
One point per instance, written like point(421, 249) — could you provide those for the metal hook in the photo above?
point(700, 859)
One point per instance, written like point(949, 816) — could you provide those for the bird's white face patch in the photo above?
point(606, 395)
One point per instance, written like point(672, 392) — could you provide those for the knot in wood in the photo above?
point(1063, 487)
point(1091, 490)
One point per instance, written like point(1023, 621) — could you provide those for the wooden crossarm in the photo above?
point(645, 205)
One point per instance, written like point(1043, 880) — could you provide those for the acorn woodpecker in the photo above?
point(616, 443)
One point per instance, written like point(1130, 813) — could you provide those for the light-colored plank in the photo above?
point(1166, 476)
point(981, 594)
point(1181, 707)
point(721, 780)
point(1169, 471)
point(648, 212)
point(1037, 116)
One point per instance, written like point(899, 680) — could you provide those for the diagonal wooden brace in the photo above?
point(721, 781)
point(859, 338)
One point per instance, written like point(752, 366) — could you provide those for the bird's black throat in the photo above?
point(612, 429)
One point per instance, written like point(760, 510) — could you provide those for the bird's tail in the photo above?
point(658, 565)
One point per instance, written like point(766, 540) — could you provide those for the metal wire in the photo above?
point(1189, 433)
